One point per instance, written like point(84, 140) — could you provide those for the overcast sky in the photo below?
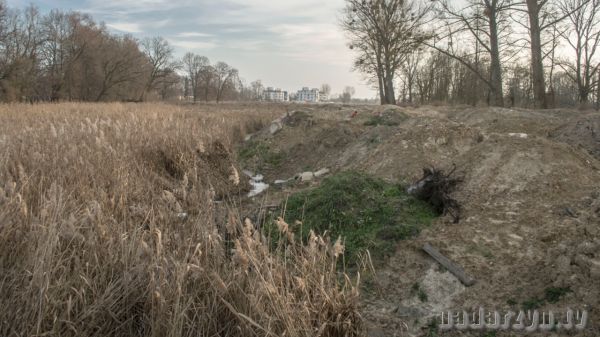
point(285, 43)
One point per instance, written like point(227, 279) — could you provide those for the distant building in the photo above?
point(275, 95)
point(308, 95)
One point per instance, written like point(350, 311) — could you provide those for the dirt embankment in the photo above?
point(530, 200)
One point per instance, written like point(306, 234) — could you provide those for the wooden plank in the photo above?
point(454, 268)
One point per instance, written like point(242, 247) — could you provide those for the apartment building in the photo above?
point(308, 95)
point(275, 95)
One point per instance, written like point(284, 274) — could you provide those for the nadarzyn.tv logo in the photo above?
point(526, 322)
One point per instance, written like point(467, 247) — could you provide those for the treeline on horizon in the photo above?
point(67, 56)
point(524, 53)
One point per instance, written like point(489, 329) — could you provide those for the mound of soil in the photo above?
point(389, 115)
point(583, 133)
point(297, 118)
point(527, 199)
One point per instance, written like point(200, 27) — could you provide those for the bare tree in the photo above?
point(61, 50)
point(584, 39)
point(347, 94)
point(325, 89)
point(20, 44)
point(194, 65)
point(409, 73)
point(383, 33)
point(159, 55)
point(121, 63)
point(206, 80)
point(485, 21)
point(257, 90)
point(541, 15)
point(225, 76)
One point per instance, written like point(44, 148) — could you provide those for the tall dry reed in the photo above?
point(107, 228)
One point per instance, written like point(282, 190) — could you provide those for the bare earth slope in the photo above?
point(530, 198)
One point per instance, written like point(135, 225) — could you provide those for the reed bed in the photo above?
point(108, 227)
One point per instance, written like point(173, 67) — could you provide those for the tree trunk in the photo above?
point(496, 92)
point(537, 66)
point(390, 95)
point(410, 94)
point(583, 95)
point(598, 93)
point(381, 91)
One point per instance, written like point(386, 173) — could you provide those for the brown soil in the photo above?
point(583, 132)
point(530, 202)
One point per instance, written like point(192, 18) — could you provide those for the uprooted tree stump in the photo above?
point(435, 188)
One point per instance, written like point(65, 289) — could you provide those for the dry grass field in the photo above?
point(107, 228)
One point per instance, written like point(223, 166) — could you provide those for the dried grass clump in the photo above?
point(93, 241)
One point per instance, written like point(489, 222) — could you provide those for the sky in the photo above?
point(287, 44)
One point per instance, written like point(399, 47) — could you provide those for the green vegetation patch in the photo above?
point(379, 120)
point(367, 212)
point(551, 295)
point(554, 294)
point(387, 118)
point(420, 292)
point(257, 155)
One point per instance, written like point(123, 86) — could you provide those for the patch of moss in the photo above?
point(554, 294)
point(432, 328)
point(551, 295)
point(532, 303)
point(258, 155)
point(421, 294)
point(380, 120)
point(367, 212)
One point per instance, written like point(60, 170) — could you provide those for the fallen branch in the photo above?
point(454, 268)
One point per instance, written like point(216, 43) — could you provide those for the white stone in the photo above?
point(322, 172)
point(257, 188)
point(276, 126)
point(307, 176)
point(282, 182)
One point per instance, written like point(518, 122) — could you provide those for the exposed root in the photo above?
point(435, 188)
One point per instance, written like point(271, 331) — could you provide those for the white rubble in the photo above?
point(275, 127)
point(258, 186)
point(307, 176)
point(519, 135)
point(321, 172)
